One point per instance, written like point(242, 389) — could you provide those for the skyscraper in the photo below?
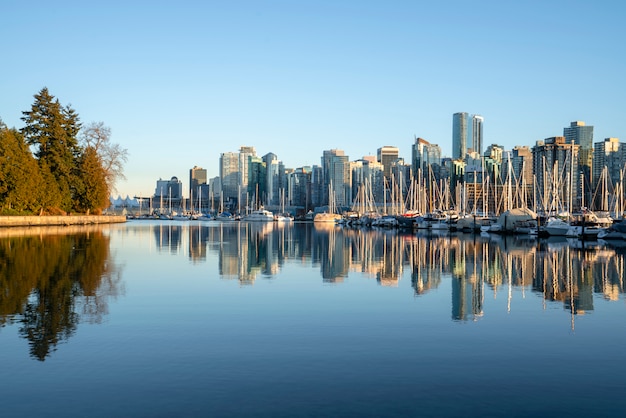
point(555, 163)
point(386, 156)
point(425, 155)
point(582, 135)
point(459, 135)
point(336, 172)
point(197, 176)
point(272, 182)
point(244, 154)
point(608, 163)
point(466, 134)
point(229, 174)
point(476, 134)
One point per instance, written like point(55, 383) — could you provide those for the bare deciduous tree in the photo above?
point(112, 156)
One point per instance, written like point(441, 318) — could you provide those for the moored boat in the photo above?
point(259, 215)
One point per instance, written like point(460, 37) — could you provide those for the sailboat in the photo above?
point(331, 215)
point(282, 217)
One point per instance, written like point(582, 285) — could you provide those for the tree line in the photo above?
point(53, 165)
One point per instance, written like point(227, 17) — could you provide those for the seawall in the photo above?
point(7, 221)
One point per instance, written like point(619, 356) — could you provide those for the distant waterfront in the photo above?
point(164, 318)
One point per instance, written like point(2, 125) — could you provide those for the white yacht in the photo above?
point(259, 215)
point(283, 218)
point(557, 227)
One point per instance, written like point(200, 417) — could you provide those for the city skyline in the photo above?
point(178, 84)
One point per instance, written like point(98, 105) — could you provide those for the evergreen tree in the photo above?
point(20, 176)
point(92, 192)
point(52, 130)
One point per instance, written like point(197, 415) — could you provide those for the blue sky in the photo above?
point(179, 82)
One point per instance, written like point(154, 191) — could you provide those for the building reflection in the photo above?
point(477, 267)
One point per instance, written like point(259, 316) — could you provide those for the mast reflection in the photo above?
point(477, 266)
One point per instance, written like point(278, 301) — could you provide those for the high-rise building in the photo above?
point(367, 180)
point(340, 178)
point(609, 159)
point(425, 155)
point(386, 156)
point(215, 189)
point(476, 134)
point(244, 153)
point(197, 176)
point(459, 135)
point(522, 163)
point(555, 166)
point(229, 175)
point(582, 135)
point(298, 186)
point(402, 174)
point(336, 171)
point(273, 180)
point(257, 175)
point(467, 134)
point(318, 189)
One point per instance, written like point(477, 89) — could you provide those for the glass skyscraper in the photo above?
point(459, 135)
point(582, 135)
point(467, 133)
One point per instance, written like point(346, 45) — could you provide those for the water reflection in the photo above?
point(52, 279)
point(559, 271)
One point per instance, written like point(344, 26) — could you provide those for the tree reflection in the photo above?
point(49, 283)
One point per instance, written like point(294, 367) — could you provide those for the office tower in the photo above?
point(256, 189)
point(522, 162)
point(582, 135)
point(229, 175)
point(424, 156)
point(298, 186)
point(555, 166)
point(608, 164)
point(466, 134)
point(386, 156)
point(197, 176)
point(476, 134)
point(402, 174)
point(367, 180)
point(244, 154)
point(340, 178)
point(318, 190)
point(336, 172)
point(273, 180)
point(459, 135)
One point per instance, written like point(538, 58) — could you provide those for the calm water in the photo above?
point(208, 319)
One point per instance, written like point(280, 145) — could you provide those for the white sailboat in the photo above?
point(283, 216)
point(330, 215)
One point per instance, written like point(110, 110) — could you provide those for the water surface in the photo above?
point(209, 319)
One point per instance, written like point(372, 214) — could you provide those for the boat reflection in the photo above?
point(478, 266)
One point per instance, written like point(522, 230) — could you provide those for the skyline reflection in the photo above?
point(54, 279)
point(478, 266)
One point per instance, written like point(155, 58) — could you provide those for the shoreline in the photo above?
point(11, 221)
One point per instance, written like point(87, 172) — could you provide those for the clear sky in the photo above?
point(180, 82)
